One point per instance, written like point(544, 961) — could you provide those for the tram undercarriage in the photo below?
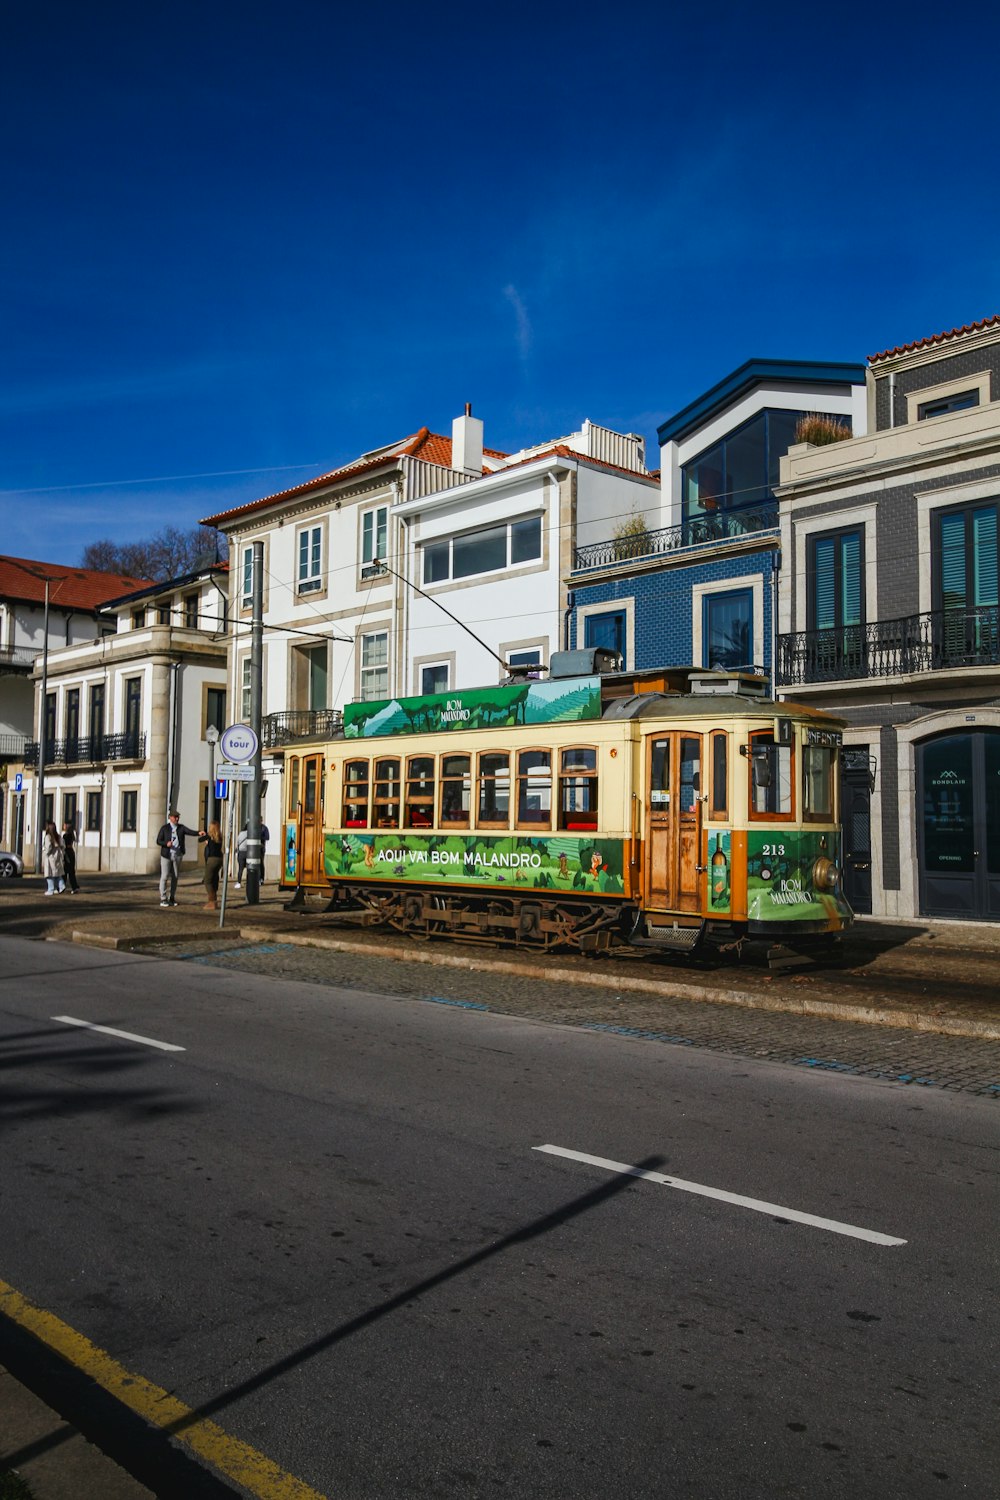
point(586, 926)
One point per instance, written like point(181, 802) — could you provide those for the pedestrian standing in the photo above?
point(53, 865)
point(69, 856)
point(213, 865)
point(171, 841)
point(241, 854)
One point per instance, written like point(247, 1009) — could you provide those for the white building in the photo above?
point(125, 716)
point(487, 534)
point(39, 600)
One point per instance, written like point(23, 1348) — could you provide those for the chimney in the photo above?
point(467, 443)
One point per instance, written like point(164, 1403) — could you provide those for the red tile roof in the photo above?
point(69, 588)
point(429, 446)
point(935, 338)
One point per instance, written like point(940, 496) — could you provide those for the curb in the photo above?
point(831, 1010)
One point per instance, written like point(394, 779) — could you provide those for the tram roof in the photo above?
point(681, 692)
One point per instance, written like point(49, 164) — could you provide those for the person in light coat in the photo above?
point(53, 867)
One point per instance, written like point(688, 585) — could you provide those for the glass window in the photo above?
point(73, 714)
point(746, 470)
point(138, 619)
point(578, 788)
point(133, 713)
point(48, 808)
point(191, 611)
point(817, 781)
point(69, 809)
point(960, 402)
point(741, 471)
point(534, 788)
point(293, 789)
point(770, 777)
point(479, 552)
point(532, 657)
point(356, 794)
point(704, 482)
point(310, 783)
point(375, 665)
point(245, 692)
point(949, 809)
point(316, 657)
point(374, 531)
point(419, 808)
point(659, 775)
point(434, 679)
point(163, 613)
point(437, 557)
point(247, 577)
point(727, 630)
point(130, 811)
point(456, 790)
point(50, 721)
point(526, 540)
point(719, 806)
point(386, 802)
point(494, 791)
point(310, 559)
point(93, 812)
point(95, 721)
point(215, 708)
point(690, 758)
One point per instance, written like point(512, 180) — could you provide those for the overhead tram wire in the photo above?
point(384, 567)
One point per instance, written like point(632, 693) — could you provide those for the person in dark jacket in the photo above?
point(213, 865)
point(69, 856)
point(171, 841)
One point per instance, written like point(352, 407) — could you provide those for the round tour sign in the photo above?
point(238, 743)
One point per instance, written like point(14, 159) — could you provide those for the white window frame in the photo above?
point(245, 690)
point(753, 582)
point(366, 670)
point(309, 559)
point(504, 568)
point(246, 576)
point(374, 533)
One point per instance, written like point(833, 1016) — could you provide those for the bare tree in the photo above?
point(169, 554)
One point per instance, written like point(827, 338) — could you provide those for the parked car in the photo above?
point(10, 865)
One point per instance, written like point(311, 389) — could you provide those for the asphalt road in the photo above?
point(326, 1226)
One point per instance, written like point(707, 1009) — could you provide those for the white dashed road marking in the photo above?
point(757, 1204)
point(129, 1036)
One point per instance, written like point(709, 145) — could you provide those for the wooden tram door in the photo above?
point(673, 821)
point(311, 821)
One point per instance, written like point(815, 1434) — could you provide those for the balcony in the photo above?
point(88, 751)
point(932, 642)
point(698, 531)
point(18, 659)
point(300, 724)
point(12, 746)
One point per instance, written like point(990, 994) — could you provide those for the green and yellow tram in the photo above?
point(655, 808)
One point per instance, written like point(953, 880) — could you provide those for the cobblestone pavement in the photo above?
point(919, 1059)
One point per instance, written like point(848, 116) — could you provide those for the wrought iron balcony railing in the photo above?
point(697, 531)
point(892, 648)
point(88, 750)
point(300, 724)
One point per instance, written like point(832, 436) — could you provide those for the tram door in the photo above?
point(311, 820)
point(673, 821)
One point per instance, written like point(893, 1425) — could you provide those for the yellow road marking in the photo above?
point(235, 1459)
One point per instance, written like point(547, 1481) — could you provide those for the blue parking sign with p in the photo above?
point(18, 781)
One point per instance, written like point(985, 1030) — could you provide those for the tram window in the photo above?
point(494, 791)
point(385, 808)
point(578, 789)
point(309, 797)
point(534, 788)
point(817, 782)
point(771, 778)
point(456, 789)
point(659, 774)
point(720, 776)
point(356, 786)
point(690, 786)
point(293, 790)
point(419, 811)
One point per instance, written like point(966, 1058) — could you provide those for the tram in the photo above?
point(657, 808)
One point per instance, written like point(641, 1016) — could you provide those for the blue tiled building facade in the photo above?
point(698, 587)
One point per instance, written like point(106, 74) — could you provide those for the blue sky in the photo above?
point(246, 242)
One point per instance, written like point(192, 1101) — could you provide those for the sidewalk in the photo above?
point(52, 1459)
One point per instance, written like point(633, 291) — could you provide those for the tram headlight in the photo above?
point(825, 875)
